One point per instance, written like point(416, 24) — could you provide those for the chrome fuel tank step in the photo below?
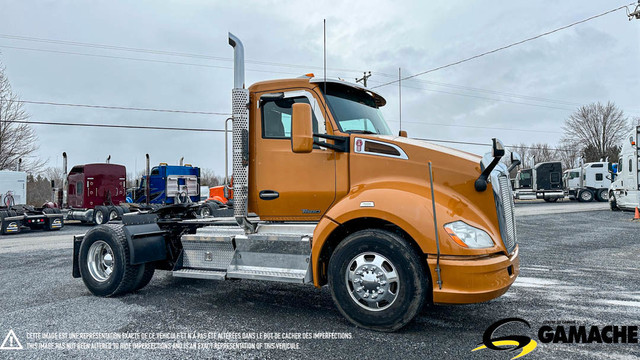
point(275, 252)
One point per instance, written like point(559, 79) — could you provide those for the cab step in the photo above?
point(200, 274)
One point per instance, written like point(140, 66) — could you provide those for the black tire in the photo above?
point(613, 203)
point(602, 195)
point(585, 195)
point(412, 284)
point(113, 213)
point(145, 276)
point(550, 200)
point(124, 276)
point(209, 208)
point(100, 215)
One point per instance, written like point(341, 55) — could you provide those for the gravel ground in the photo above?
point(579, 266)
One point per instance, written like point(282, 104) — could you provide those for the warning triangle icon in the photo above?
point(11, 342)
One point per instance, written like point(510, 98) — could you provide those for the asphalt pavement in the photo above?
point(579, 267)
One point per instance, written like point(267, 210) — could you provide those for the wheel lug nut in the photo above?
point(380, 291)
point(366, 295)
point(374, 296)
point(360, 289)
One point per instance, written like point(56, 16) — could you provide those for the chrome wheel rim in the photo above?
point(99, 217)
point(206, 211)
point(113, 215)
point(100, 261)
point(585, 195)
point(372, 281)
point(604, 195)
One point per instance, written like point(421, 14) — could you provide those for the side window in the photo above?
point(630, 166)
point(598, 177)
point(620, 165)
point(276, 117)
point(79, 186)
point(155, 171)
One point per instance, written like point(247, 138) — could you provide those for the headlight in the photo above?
point(468, 236)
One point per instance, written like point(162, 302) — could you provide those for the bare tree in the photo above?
point(596, 127)
point(17, 139)
point(209, 178)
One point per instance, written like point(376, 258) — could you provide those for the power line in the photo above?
point(122, 108)
point(51, 123)
point(158, 52)
point(477, 127)
point(112, 126)
point(506, 46)
point(485, 144)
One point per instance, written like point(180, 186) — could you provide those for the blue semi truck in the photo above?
point(168, 184)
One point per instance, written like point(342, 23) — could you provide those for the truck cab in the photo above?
point(588, 182)
point(169, 184)
point(386, 222)
point(94, 192)
point(624, 192)
point(543, 181)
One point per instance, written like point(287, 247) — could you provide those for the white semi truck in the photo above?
point(13, 187)
point(15, 215)
point(624, 192)
point(587, 182)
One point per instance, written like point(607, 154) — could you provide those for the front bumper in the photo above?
point(467, 281)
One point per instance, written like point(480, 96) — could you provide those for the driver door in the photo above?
point(290, 186)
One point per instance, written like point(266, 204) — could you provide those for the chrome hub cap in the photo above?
point(372, 281)
point(100, 261)
point(99, 217)
point(113, 215)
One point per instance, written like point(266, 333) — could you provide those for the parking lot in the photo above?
point(579, 264)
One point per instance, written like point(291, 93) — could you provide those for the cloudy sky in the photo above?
point(521, 94)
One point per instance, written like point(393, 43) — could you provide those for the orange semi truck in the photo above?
point(387, 222)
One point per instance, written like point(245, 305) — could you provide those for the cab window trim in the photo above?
point(317, 112)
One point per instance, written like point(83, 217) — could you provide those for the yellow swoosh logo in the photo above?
point(525, 350)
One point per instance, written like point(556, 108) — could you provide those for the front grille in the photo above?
point(504, 204)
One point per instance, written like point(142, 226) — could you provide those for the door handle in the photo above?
point(269, 195)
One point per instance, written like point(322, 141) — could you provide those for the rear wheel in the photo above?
point(113, 213)
point(145, 276)
point(585, 195)
point(377, 280)
point(104, 262)
point(602, 195)
point(100, 215)
point(550, 200)
point(613, 204)
point(208, 209)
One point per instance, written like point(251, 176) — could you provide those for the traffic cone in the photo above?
point(637, 215)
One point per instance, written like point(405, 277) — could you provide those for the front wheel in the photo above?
point(613, 204)
point(377, 280)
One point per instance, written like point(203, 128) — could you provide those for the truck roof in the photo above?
point(304, 81)
point(100, 169)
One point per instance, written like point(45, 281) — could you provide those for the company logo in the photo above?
point(56, 223)
point(11, 342)
point(12, 227)
point(509, 343)
point(307, 211)
point(359, 145)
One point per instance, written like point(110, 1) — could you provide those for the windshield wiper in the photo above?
point(366, 132)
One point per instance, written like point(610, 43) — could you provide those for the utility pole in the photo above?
point(635, 13)
point(364, 78)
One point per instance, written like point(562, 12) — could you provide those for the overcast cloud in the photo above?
point(595, 61)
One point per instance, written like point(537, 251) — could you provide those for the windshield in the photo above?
point(355, 110)
point(574, 174)
point(525, 175)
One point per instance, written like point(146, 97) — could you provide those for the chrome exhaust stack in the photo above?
point(146, 182)
point(240, 115)
point(181, 161)
point(64, 179)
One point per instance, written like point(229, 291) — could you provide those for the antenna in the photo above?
point(400, 95)
point(324, 50)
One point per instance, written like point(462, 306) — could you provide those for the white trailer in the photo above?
point(588, 182)
point(624, 192)
point(13, 187)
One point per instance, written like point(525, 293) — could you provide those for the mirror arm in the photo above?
point(341, 145)
point(481, 181)
point(513, 166)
